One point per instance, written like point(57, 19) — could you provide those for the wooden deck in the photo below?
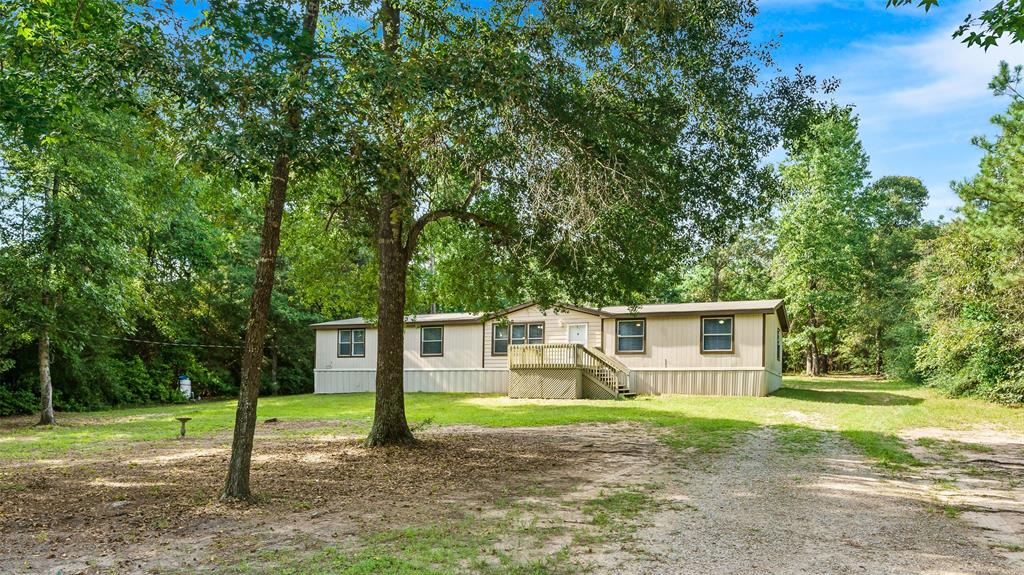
point(565, 371)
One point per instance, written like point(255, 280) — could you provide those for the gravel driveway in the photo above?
point(763, 507)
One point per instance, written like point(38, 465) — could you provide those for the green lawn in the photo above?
point(868, 413)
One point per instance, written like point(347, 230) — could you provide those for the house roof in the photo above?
point(456, 317)
point(776, 306)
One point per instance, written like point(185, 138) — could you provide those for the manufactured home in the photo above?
point(568, 351)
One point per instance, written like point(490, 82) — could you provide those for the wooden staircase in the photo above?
point(609, 376)
point(611, 373)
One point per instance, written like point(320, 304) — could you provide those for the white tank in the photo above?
point(185, 386)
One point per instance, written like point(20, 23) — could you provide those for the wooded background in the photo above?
point(135, 163)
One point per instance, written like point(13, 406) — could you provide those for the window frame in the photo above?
point(507, 339)
point(424, 327)
point(778, 346)
point(351, 342)
point(526, 339)
point(512, 330)
point(543, 333)
point(643, 336)
point(731, 334)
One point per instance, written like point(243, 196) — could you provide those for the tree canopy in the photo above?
point(547, 151)
point(972, 276)
point(1003, 18)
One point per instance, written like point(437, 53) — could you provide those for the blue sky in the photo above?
point(920, 94)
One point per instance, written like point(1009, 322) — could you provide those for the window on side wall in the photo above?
point(630, 335)
point(778, 345)
point(351, 342)
point(716, 334)
point(499, 339)
point(432, 340)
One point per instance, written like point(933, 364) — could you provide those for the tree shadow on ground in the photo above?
point(847, 396)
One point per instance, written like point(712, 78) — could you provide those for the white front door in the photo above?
point(578, 333)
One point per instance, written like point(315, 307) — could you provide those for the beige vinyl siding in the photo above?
point(556, 329)
point(327, 351)
point(771, 332)
point(461, 348)
point(674, 342)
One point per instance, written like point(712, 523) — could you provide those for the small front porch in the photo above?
point(565, 371)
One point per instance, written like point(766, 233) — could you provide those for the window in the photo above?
point(778, 345)
point(499, 340)
point(716, 334)
point(518, 334)
point(351, 342)
point(432, 340)
point(535, 333)
point(630, 335)
point(515, 334)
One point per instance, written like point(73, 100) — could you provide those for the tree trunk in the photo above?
point(237, 484)
point(46, 416)
point(813, 353)
point(45, 384)
point(716, 277)
point(878, 351)
point(389, 424)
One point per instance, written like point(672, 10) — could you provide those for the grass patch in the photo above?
point(466, 546)
point(951, 448)
point(798, 440)
point(943, 484)
point(706, 435)
point(887, 450)
point(1011, 547)
point(624, 505)
point(950, 511)
point(868, 413)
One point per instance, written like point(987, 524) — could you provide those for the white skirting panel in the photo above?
point(773, 381)
point(428, 380)
point(748, 382)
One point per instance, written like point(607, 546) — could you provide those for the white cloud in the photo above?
point(930, 74)
point(921, 97)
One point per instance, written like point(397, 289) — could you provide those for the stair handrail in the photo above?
point(611, 361)
point(619, 371)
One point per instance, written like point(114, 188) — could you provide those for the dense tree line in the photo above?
point(114, 242)
point(871, 286)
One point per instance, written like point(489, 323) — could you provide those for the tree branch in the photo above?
point(461, 213)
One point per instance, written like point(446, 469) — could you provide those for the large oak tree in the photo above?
point(556, 150)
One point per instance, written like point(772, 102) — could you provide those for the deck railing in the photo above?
point(607, 371)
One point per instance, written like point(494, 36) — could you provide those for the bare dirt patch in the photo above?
point(154, 506)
